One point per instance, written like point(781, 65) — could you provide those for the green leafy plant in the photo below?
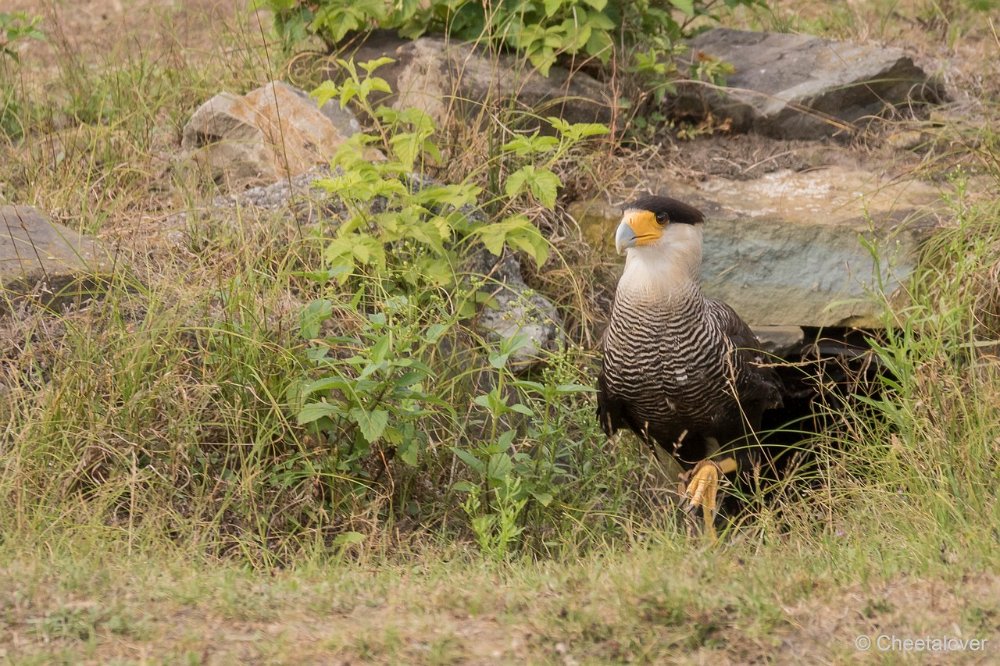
point(507, 474)
point(543, 30)
point(497, 529)
point(378, 394)
point(14, 27)
point(378, 351)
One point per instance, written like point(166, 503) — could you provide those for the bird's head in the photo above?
point(647, 220)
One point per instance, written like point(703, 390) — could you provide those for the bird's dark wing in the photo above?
point(760, 384)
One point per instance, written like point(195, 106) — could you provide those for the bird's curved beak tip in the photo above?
point(624, 237)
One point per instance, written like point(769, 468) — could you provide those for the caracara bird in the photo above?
point(681, 370)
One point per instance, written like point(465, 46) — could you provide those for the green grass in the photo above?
point(159, 501)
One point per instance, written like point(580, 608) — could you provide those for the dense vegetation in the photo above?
point(544, 31)
point(262, 422)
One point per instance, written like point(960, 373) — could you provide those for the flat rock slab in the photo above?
point(789, 249)
point(802, 87)
point(38, 256)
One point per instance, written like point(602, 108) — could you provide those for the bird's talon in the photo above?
point(700, 488)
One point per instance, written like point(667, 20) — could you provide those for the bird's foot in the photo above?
point(700, 490)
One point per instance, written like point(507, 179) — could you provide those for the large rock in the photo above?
point(514, 310)
point(789, 249)
point(273, 132)
point(802, 87)
point(46, 259)
point(445, 78)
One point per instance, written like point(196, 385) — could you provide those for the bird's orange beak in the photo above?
point(637, 228)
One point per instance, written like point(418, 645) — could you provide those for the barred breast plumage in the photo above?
point(679, 368)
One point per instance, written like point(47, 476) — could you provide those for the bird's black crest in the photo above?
point(667, 210)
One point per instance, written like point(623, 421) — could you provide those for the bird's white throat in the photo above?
point(667, 267)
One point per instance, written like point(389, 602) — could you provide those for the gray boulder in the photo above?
point(48, 260)
point(514, 310)
point(802, 87)
point(789, 249)
point(445, 78)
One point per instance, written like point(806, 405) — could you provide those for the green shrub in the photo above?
point(14, 27)
point(391, 361)
point(543, 30)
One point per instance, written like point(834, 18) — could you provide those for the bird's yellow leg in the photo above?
point(702, 489)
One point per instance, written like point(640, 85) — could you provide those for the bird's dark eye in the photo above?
point(662, 218)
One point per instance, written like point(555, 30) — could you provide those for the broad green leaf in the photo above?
point(317, 410)
point(498, 360)
point(558, 124)
point(348, 539)
point(410, 378)
point(523, 235)
point(545, 187)
point(517, 182)
point(580, 38)
point(324, 92)
point(583, 130)
point(491, 401)
point(527, 145)
point(409, 452)
point(474, 463)
point(522, 409)
point(542, 183)
point(381, 348)
point(600, 22)
point(426, 234)
point(371, 65)
point(505, 440)
point(436, 271)
point(371, 423)
point(376, 83)
point(685, 6)
point(435, 331)
point(458, 195)
point(312, 318)
point(325, 384)
point(600, 45)
point(532, 243)
point(519, 232)
point(499, 467)
point(543, 498)
point(575, 388)
point(493, 237)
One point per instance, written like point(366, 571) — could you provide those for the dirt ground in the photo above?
point(93, 29)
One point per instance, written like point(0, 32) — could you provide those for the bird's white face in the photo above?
point(660, 256)
point(641, 229)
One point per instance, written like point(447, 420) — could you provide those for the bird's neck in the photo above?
point(666, 270)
